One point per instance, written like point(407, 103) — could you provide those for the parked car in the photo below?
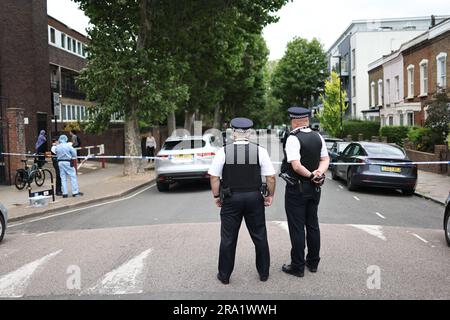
point(3, 221)
point(377, 167)
point(336, 149)
point(447, 220)
point(185, 158)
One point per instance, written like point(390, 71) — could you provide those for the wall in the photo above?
point(440, 154)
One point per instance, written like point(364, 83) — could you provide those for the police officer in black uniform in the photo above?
point(306, 161)
point(241, 195)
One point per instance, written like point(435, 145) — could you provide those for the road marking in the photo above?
point(380, 215)
point(83, 208)
point(44, 234)
point(420, 238)
point(126, 279)
point(283, 225)
point(14, 284)
point(341, 187)
point(376, 231)
point(356, 198)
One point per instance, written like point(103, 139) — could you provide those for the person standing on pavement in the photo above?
point(75, 139)
point(41, 148)
point(150, 146)
point(306, 161)
point(240, 195)
point(65, 154)
point(56, 167)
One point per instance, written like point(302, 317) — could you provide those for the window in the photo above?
point(424, 77)
point(410, 81)
point(372, 94)
point(52, 35)
point(402, 119)
point(353, 59)
point(383, 121)
point(397, 88)
point(441, 61)
point(69, 44)
point(388, 92)
point(354, 109)
point(391, 121)
point(354, 86)
point(79, 48)
point(83, 48)
point(74, 45)
point(410, 118)
point(63, 40)
point(380, 92)
point(64, 112)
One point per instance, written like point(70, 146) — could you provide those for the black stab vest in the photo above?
point(242, 170)
point(310, 151)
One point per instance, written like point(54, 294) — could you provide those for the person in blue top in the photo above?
point(65, 153)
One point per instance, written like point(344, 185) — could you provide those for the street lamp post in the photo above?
point(340, 91)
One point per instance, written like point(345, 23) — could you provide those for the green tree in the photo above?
point(301, 73)
point(330, 115)
point(438, 119)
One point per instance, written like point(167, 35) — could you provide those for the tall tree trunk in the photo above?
point(217, 117)
point(189, 120)
point(171, 123)
point(132, 144)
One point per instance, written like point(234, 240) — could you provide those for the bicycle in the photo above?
point(28, 174)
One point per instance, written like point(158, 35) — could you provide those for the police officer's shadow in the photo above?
point(190, 187)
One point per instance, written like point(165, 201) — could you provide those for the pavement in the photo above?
point(433, 186)
point(96, 183)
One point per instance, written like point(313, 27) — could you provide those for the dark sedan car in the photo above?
point(447, 220)
point(376, 166)
point(336, 149)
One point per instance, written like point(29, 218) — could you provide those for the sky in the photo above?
point(321, 19)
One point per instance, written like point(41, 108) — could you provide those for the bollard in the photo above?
point(103, 163)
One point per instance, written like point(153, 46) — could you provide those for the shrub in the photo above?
point(423, 138)
point(367, 128)
point(395, 134)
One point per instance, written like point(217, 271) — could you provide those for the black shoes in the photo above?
point(263, 278)
point(65, 196)
point(224, 281)
point(292, 271)
point(311, 269)
point(59, 194)
point(79, 194)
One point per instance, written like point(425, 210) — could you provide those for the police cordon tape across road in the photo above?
point(100, 157)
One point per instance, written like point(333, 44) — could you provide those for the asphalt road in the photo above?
point(151, 245)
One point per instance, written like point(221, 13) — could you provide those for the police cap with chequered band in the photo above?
point(299, 113)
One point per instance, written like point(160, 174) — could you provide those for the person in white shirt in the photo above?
point(236, 183)
point(150, 145)
point(306, 161)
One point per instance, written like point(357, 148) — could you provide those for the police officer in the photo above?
point(241, 166)
point(306, 161)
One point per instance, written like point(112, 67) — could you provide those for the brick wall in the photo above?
point(413, 56)
point(375, 75)
point(440, 154)
point(16, 136)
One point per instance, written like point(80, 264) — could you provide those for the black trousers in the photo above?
point(301, 211)
point(58, 177)
point(248, 206)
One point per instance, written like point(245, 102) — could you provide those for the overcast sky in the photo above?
point(323, 19)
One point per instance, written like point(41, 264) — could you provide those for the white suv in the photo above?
point(185, 158)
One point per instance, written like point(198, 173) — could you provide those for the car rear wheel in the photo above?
point(409, 192)
point(350, 184)
point(2, 227)
point(162, 187)
point(334, 173)
point(447, 227)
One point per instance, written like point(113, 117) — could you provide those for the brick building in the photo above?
point(40, 58)
point(410, 76)
point(376, 95)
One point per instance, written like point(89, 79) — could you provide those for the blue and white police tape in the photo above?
point(100, 157)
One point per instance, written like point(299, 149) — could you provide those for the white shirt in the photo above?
point(265, 162)
point(151, 142)
point(293, 147)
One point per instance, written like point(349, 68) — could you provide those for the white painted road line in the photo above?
point(341, 187)
point(380, 215)
point(126, 279)
point(356, 198)
point(283, 225)
point(376, 231)
point(14, 284)
point(83, 208)
point(44, 234)
point(420, 238)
